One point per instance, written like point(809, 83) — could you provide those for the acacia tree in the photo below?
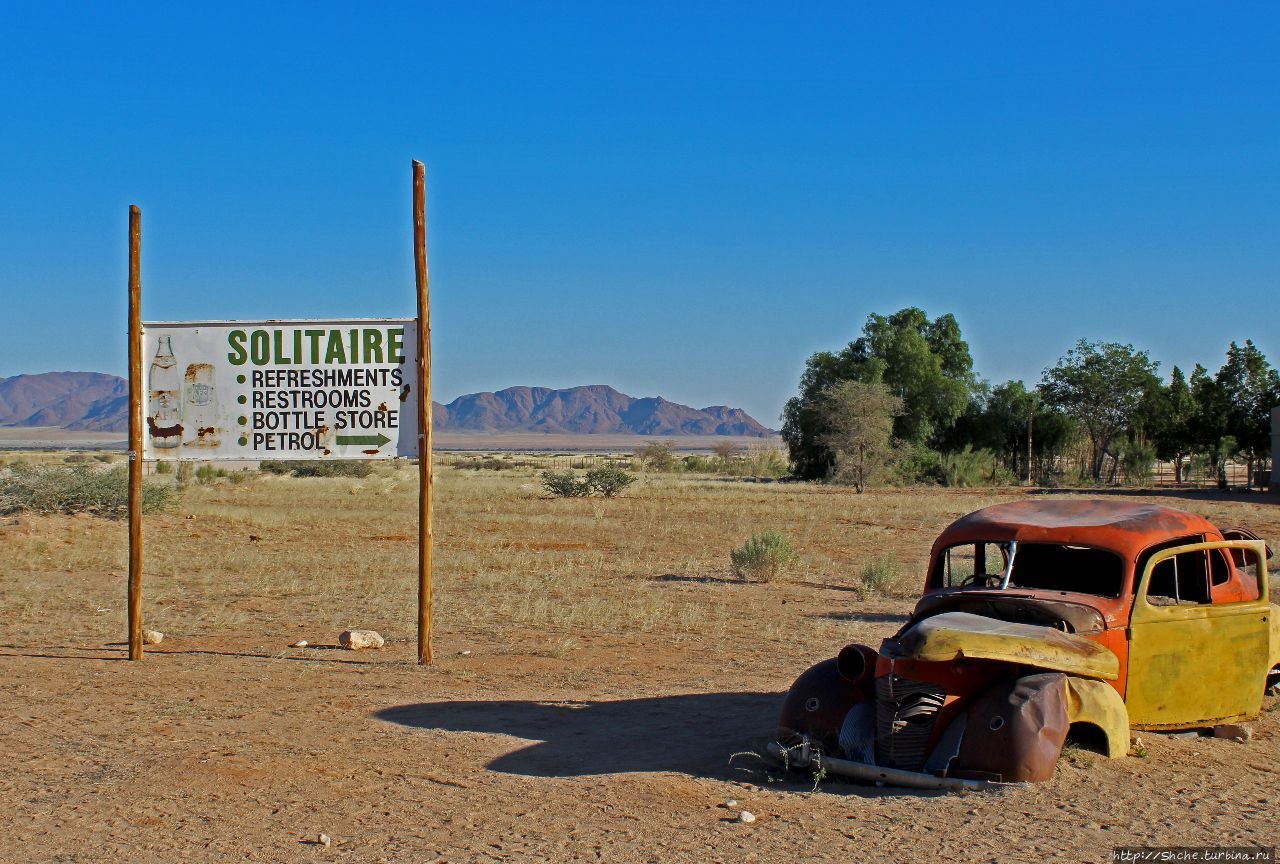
point(925, 363)
point(858, 418)
point(1101, 386)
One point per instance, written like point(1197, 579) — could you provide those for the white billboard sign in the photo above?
point(342, 389)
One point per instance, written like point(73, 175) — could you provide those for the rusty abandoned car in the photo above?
point(1042, 620)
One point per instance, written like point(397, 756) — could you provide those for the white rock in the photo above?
point(354, 640)
point(1233, 732)
point(325, 840)
point(301, 643)
point(731, 803)
point(152, 637)
point(746, 817)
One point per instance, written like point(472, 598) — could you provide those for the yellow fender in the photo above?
point(1274, 660)
point(1098, 704)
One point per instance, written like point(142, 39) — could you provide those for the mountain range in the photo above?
point(94, 402)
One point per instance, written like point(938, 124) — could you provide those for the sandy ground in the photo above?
point(590, 746)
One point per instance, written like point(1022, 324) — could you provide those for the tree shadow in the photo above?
point(704, 580)
point(827, 586)
point(1185, 493)
point(862, 617)
point(694, 734)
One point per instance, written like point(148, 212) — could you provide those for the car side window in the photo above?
point(1219, 572)
point(1180, 580)
point(1247, 571)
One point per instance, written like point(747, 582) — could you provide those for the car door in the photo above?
point(1193, 662)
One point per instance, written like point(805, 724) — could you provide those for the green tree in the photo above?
point(858, 419)
point(1021, 426)
point(924, 363)
point(1208, 424)
point(1170, 426)
point(1101, 385)
point(1249, 389)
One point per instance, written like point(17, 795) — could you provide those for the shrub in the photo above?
point(104, 457)
point(1138, 461)
point(702, 464)
point(762, 557)
point(77, 458)
point(164, 467)
point(657, 456)
point(565, 484)
point(608, 480)
point(334, 468)
point(81, 489)
point(880, 576)
point(765, 461)
point(273, 466)
point(968, 467)
point(206, 474)
point(485, 463)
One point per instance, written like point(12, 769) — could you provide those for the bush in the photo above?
point(969, 467)
point(485, 463)
point(657, 456)
point(54, 489)
point(762, 557)
point(565, 484)
point(608, 480)
point(164, 467)
point(206, 474)
point(1138, 462)
point(880, 576)
point(330, 468)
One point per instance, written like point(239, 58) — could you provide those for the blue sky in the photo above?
point(677, 199)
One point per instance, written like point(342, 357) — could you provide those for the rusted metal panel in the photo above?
point(954, 636)
point(1015, 731)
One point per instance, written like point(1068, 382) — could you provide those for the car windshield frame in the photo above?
point(1108, 584)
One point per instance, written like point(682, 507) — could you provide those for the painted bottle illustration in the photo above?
point(164, 409)
point(200, 406)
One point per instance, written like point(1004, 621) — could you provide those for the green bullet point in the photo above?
point(243, 420)
point(239, 379)
point(243, 440)
point(241, 399)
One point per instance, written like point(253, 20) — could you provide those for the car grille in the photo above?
point(905, 713)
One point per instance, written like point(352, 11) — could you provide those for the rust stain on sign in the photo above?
point(163, 431)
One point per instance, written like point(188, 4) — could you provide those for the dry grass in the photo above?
point(276, 555)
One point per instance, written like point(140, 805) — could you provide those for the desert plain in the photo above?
point(601, 683)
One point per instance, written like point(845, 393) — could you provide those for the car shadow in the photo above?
point(713, 736)
point(694, 734)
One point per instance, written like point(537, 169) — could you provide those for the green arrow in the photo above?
point(364, 440)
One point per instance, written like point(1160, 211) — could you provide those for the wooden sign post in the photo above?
point(228, 405)
point(135, 433)
point(425, 490)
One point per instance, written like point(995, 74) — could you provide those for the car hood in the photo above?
point(954, 636)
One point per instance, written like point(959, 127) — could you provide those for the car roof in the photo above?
point(1123, 526)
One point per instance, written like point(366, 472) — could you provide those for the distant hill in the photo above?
point(94, 402)
point(83, 401)
point(594, 409)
